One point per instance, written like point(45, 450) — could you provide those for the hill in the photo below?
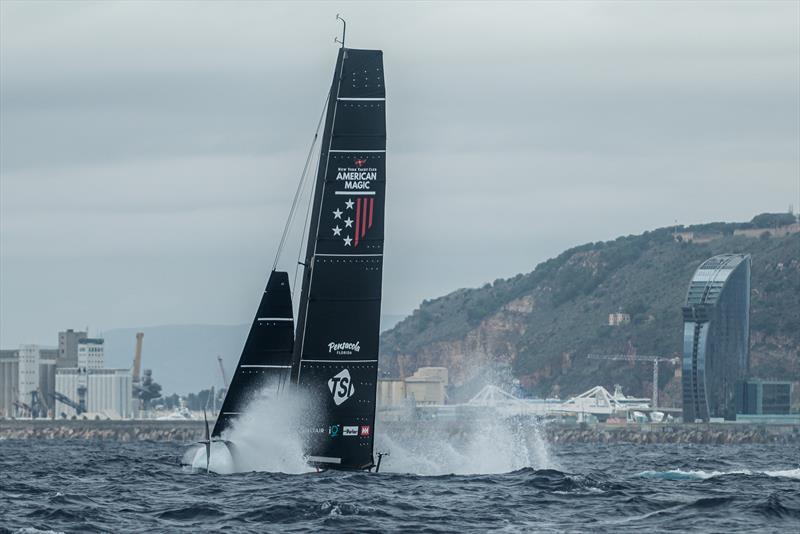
point(538, 327)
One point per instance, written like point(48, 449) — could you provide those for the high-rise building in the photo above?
point(716, 337)
point(68, 347)
point(28, 385)
point(90, 353)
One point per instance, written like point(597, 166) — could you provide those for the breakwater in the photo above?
point(719, 433)
point(187, 431)
point(137, 430)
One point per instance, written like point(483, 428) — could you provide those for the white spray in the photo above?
point(485, 446)
point(264, 437)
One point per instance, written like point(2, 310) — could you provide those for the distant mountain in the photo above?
point(539, 327)
point(184, 357)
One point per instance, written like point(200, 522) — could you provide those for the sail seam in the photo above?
point(268, 366)
point(360, 151)
point(339, 361)
point(349, 255)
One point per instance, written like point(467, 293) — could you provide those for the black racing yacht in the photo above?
point(329, 352)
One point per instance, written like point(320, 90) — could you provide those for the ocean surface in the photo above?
point(103, 486)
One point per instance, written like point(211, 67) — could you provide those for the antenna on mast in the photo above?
point(344, 31)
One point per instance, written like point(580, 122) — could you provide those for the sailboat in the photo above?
point(329, 352)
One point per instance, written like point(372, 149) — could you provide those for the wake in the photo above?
point(266, 439)
point(496, 446)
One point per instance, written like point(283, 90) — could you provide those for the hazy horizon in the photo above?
point(148, 157)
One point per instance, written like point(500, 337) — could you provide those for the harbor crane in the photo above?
point(60, 397)
point(222, 371)
point(638, 358)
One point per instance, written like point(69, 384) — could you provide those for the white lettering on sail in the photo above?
point(344, 347)
point(341, 387)
point(359, 177)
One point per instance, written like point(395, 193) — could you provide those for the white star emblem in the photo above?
point(349, 203)
point(347, 241)
point(337, 230)
point(337, 214)
point(348, 222)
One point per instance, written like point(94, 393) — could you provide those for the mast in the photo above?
point(335, 357)
point(313, 229)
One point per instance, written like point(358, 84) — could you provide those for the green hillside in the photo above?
point(539, 327)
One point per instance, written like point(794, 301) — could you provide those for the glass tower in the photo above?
point(716, 337)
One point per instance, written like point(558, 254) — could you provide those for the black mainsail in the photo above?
point(267, 354)
point(333, 354)
point(335, 358)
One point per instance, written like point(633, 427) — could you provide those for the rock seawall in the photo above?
point(104, 430)
point(188, 431)
point(691, 433)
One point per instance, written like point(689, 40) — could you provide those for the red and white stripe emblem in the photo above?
point(364, 209)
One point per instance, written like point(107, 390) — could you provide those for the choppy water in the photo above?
point(95, 486)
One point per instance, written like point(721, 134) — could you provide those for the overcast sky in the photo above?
point(149, 151)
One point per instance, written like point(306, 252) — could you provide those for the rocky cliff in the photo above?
point(539, 327)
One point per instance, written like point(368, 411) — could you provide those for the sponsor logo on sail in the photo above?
point(350, 431)
point(341, 387)
point(363, 431)
point(360, 162)
point(344, 347)
point(333, 431)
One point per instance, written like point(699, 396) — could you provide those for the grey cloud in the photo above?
point(148, 155)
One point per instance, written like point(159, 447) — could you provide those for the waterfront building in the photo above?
point(9, 380)
point(391, 393)
point(427, 386)
point(90, 353)
point(28, 384)
point(716, 337)
point(68, 347)
point(38, 380)
point(103, 392)
point(763, 397)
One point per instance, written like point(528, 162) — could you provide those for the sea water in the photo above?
point(496, 478)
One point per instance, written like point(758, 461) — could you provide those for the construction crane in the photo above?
point(137, 358)
point(222, 370)
point(638, 358)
